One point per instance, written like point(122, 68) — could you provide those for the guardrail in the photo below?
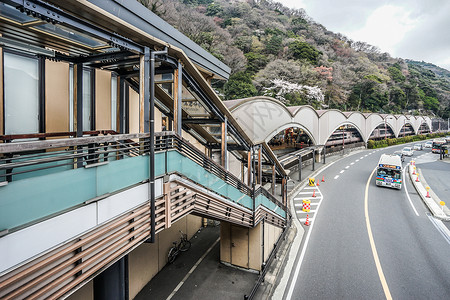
point(25, 159)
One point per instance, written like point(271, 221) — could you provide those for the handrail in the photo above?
point(101, 148)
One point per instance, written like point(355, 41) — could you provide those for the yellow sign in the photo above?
point(442, 203)
point(312, 181)
point(428, 188)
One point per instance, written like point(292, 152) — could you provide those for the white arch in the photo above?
point(264, 117)
point(290, 125)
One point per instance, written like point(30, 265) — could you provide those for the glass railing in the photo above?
point(43, 178)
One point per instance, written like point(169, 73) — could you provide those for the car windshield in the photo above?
point(406, 149)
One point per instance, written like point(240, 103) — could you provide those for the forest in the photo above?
point(280, 52)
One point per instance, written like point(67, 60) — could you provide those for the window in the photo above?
point(21, 94)
point(114, 102)
point(87, 92)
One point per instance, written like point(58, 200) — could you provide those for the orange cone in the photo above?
point(314, 193)
point(428, 194)
point(318, 183)
point(323, 178)
point(307, 220)
point(417, 178)
point(414, 171)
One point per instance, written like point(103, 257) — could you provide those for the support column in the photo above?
point(314, 159)
point(273, 179)
point(324, 153)
point(224, 148)
point(260, 165)
point(299, 168)
point(78, 99)
point(178, 97)
point(249, 167)
point(151, 57)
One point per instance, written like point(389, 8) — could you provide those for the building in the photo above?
point(112, 141)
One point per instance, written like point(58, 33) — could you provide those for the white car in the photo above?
point(429, 144)
point(407, 151)
point(418, 147)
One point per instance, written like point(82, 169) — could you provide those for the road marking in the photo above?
point(407, 194)
point(306, 212)
point(365, 155)
point(304, 219)
point(342, 171)
point(347, 167)
point(352, 163)
point(303, 193)
point(336, 177)
point(192, 270)
point(440, 227)
point(301, 204)
point(302, 255)
point(361, 157)
point(387, 293)
point(357, 160)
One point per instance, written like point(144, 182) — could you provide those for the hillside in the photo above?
point(283, 53)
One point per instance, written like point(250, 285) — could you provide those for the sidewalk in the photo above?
point(433, 201)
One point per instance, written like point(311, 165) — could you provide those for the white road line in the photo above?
point(336, 177)
point(357, 160)
point(304, 219)
point(347, 167)
point(361, 157)
point(310, 188)
point(352, 163)
point(302, 255)
point(304, 212)
point(192, 270)
point(301, 204)
point(342, 171)
point(407, 194)
point(365, 155)
point(304, 193)
point(441, 228)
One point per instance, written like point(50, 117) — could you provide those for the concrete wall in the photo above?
point(148, 259)
point(85, 293)
point(247, 247)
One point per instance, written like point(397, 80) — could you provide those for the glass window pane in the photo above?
point(86, 100)
point(114, 102)
point(71, 34)
point(12, 13)
point(21, 94)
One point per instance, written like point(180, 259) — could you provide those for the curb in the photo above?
point(429, 202)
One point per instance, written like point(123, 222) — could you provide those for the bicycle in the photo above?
point(182, 246)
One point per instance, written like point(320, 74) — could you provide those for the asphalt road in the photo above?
point(339, 260)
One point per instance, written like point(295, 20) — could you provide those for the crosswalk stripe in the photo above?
point(301, 204)
point(304, 219)
point(304, 212)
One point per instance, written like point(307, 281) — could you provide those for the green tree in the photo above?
point(255, 62)
point(396, 74)
point(302, 50)
point(273, 45)
point(239, 85)
point(213, 9)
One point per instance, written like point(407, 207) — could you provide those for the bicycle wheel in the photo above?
point(172, 254)
point(185, 245)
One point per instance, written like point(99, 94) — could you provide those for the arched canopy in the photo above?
point(263, 117)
